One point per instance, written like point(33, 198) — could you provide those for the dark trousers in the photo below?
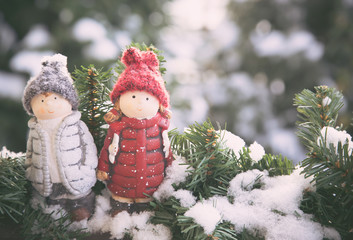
point(69, 205)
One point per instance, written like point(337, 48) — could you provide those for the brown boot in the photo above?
point(118, 207)
point(80, 214)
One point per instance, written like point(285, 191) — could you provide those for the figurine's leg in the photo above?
point(81, 208)
point(139, 207)
point(117, 207)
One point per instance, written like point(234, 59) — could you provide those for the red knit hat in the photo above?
point(141, 74)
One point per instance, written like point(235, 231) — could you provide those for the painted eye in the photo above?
point(42, 100)
point(147, 99)
point(55, 98)
point(133, 96)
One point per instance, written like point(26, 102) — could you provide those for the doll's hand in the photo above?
point(111, 117)
point(166, 143)
point(113, 148)
point(102, 176)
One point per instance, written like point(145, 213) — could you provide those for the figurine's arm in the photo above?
point(29, 152)
point(164, 124)
point(109, 150)
point(166, 143)
point(113, 148)
point(90, 150)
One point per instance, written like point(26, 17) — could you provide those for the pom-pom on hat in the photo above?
point(53, 77)
point(141, 74)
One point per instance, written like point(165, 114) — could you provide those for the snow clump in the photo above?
point(326, 101)
point(233, 142)
point(273, 209)
point(205, 215)
point(175, 174)
point(5, 153)
point(236, 143)
point(256, 151)
point(330, 135)
point(186, 198)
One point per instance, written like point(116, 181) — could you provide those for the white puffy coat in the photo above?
point(75, 151)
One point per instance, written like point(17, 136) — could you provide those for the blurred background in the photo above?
point(237, 62)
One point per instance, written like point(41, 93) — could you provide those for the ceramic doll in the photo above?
point(61, 156)
point(136, 150)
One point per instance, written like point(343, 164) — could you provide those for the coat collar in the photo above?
point(141, 123)
point(71, 119)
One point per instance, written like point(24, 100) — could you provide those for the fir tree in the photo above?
point(13, 187)
point(16, 207)
point(331, 166)
point(93, 88)
point(211, 166)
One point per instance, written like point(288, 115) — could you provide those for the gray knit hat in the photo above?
point(54, 77)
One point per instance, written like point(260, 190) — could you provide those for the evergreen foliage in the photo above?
point(39, 225)
point(15, 205)
point(93, 88)
point(13, 187)
point(332, 169)
point(212, 165)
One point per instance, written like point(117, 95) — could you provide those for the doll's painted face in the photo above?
point(50, 106)
point(139, 104)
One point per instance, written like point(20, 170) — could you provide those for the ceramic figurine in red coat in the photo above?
point(136, 150)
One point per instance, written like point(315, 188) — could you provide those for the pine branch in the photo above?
point(212, 165)
point(331, 167)
point(94, 87)
point(276, 165)
point(315, 112)
point(13, 188)
point(206, 155)
point(39, 225)
point(15, 205)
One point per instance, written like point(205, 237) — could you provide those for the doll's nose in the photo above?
point(50, 102)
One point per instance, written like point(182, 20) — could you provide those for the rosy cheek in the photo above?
point(41, 110)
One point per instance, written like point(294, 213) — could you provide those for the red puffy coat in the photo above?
point(140, 162)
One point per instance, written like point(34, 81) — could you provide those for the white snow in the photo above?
point(88, 29)
point(136, 225)
point(326, 101)
point(237, 144)
point(175, 174)
point(151, 231)
point(100, 221)
point(28, 61)
point(232, 141)
point(275, 43)
point(205, 215)
point(5, 153)
point(273, 210)
point(244, 182)
point(197, 14)
point(37, 37)
point(330, 135)
point(256, 151)
point(186, 198)
point(100, 47)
